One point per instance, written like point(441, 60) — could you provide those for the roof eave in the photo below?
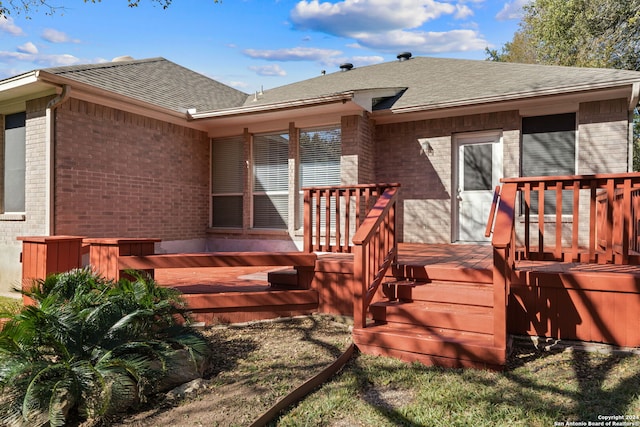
point(343, 97)
point(87, 92)
point(18, 89)
point(519, 96)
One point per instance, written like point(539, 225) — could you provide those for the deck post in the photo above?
point(500, 290)
point(45, 255)
point(104, 253)
point(359, 315)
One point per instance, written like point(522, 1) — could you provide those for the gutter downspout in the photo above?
point(49, 156)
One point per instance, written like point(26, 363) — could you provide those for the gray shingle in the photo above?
point(440, 81)
point(156, 81)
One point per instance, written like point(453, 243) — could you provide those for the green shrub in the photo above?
point(91, 347)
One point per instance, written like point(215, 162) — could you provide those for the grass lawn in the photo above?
point(538, 388)
point(10, 305)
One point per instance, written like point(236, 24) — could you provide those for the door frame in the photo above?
point(465, 138)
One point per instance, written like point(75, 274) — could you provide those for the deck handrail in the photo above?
point(375, 249)
point(594, 220)
point(332, 214)
point(503, 242)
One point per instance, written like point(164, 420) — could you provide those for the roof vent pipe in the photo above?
point(404, 56)
point(346, 66)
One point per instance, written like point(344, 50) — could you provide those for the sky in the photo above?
point(255, 44)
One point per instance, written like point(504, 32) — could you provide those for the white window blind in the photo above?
point(270, 181)
point(320, 153)
point(14, 162)
point(227, 178)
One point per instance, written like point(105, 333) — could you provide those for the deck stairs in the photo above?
point(437, 316)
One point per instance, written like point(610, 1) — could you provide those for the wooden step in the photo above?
point(431, 346)
point(283, 279)
point(435, 315)
point(433, 272)
point(480, 294)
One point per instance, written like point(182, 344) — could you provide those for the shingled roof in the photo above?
point(440, 82)
point(156, 81)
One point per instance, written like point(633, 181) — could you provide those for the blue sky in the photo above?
point(249, 44)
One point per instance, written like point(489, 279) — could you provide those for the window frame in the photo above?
point(16, 122)
point(557, 127)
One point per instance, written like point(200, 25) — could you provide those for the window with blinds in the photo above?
point(549, 148)
point(320, 152)
point(14, 162)
point(227, 177)
point(270, 181)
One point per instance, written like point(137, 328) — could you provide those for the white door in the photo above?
point(479, 172)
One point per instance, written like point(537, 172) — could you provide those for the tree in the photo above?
point(30, 6)
point(582, 33)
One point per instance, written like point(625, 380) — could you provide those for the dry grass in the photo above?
point(257, 364)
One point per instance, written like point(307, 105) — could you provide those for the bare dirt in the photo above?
point(254, 366)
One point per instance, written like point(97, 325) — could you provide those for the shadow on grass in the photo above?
point(538, 387)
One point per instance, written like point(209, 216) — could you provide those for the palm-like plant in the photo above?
point(90, 347)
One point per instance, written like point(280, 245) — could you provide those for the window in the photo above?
point(320, 152)
point(270, 181)
point(14, 162)
point(227, 179)
point(549, 148)
point(273, 183)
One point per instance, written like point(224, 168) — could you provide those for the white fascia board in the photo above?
point(272, 107)
point(635, 96)
point(605, 86)
point(364, 98)
point(15, 91)
point(538, 105)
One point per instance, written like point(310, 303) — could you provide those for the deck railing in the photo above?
point(375, 250)
point(333, 214)
point(586, 219)
point(582, 218)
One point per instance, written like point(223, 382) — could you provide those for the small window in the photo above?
point(227, 182)
point(549, 148)
point(14, 162)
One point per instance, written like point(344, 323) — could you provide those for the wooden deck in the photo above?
point(450, 287)
point(450, 305)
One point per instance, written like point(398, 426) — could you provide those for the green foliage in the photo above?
point(90, 347)
point(584, 33)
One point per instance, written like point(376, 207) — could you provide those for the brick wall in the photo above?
point(425, 206)
point(358, 157)
point(34, 221)
point(124, 175)
point(602, 126)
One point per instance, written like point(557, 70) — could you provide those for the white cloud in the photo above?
point(23, 54)
point(389, 25)
point(8, 26)
point(269, 70)
point(55, 36)
point(15, 56)
point(292, 54)
point(28, 47)
point(355, 16)
point(425, 42)
point(463, 11)
point(58, 60)
point(512, 10)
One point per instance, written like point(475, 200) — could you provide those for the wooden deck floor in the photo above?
point(254, 279)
